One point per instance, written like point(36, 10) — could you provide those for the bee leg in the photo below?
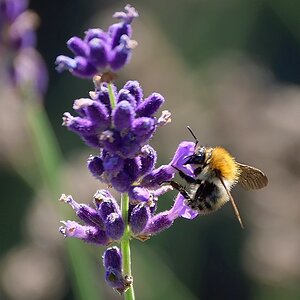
point(198, 170)
point(187, 178)
point(236, 211)
point(180, 189)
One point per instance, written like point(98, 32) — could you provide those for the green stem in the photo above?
point(111, 94)
point(125, 242)
point(125, 247)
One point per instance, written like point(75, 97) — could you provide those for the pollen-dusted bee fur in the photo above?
point(216, 172)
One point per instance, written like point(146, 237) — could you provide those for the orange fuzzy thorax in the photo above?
point(222, 161)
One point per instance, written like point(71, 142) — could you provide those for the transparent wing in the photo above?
point(252, 178)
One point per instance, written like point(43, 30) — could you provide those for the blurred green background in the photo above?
point(229, 69)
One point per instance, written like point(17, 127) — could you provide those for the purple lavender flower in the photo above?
point(102, 224)
point(120, 124)
point(143, 221)
point(89, 234)
point(99, 50)
point(23, 64)
point(121, 134)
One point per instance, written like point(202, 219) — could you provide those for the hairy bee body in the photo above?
point(215, 173)
point(208, 195)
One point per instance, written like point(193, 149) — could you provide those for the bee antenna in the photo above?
point(194, 136)
point(236, 211)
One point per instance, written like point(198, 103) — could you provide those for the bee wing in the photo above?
point(252, 178)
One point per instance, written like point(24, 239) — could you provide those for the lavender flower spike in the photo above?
point(101, 51)
point(119, 124)
point(121, 134)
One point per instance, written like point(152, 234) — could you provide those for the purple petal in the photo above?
point(114, 279)
point(95, 33)
point(139, 193)
point(98, 114)
point(180, 209)
point(65, 63)
point(123, 116)
point(81, 126)
point(139, 218)
point(112, 257)
point(184, 149)
point(158, 223)
point(143, 126)
point(103, 96)
point(88, 234)
point(126, 95)
point(113, 163)
point(130, 145)
point(112, 141)
point(150, 106)
point(105, 204)
point(95, 165)
point(84, 212)
point(148, 159)
point(121, 182)
point(135, 90)
point(83, 68)
point(78, 46)
point(116, 31)
point(115, 226)
point(132, 168)
point(121, 54)
point(158, 176)
point(98, 52)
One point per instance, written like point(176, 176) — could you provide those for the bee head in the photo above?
point(198, 157)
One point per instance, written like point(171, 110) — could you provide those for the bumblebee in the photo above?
point(216, 172)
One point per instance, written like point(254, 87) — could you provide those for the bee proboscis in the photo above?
point(215, 173)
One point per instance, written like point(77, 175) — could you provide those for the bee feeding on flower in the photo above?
point(214, 172)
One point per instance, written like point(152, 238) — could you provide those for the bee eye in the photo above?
point(197, 158)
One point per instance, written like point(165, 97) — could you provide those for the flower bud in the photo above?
point(105, 204)
point(121, 182)
point(81, 126)
point(78, 46)
point(150, 105)
point(112, 258)
point(95, 165)
point(139, 218)
point(114, 226)
point(114, 279)
point(148, 158)
point(121, 54)
point(98, 52)
point(123, 115)
point(125, 95)
point(135, 90)
point(143, 126)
